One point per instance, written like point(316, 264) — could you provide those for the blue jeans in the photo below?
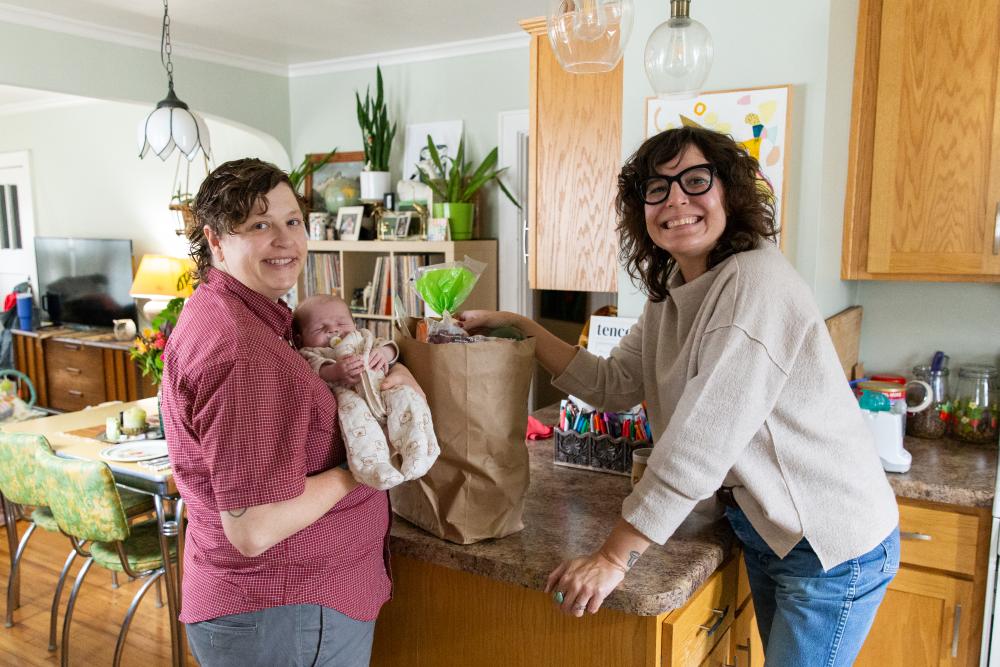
point(808, 616)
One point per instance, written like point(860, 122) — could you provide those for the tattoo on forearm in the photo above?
point(236, 514)
point(633, 558)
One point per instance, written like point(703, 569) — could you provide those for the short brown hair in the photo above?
point(748, 202)
point(226, 199)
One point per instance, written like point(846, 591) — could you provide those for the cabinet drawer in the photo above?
point(938, 538)
point(75, 375)
point(690, 633)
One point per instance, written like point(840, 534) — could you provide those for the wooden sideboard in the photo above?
point(75, 369)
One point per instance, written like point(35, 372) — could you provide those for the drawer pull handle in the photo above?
point(74, 371)
point(919, 537)
point(712, 629)
point(743, 647)
point(74, 392)
point(955, 631)
point(71, 346)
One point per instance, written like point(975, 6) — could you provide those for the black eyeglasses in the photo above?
point(696, 180)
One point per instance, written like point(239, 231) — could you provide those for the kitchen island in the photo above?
point(483, 604)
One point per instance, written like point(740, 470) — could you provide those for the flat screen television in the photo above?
point(85, 282)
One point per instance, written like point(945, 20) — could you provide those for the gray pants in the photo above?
point(302, 635)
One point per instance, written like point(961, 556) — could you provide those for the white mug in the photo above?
point(124, 329)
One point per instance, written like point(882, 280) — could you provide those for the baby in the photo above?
point(353, 362)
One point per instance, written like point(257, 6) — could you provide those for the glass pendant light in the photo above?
point(589, 36)
point(171, 123)
point(678, 54)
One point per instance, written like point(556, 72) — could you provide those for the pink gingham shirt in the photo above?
point(247, 421)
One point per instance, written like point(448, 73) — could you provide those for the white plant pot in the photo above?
point(374, 184)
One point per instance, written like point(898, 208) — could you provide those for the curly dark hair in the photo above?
point(226, 199)
point(748, 202)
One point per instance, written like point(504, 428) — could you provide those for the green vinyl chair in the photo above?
point(20, 484)
point(86, 505)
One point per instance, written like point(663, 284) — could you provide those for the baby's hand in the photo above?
point(345, 372)
point(379, 359)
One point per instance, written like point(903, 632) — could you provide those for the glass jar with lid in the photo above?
point(976, 409)
point(932, 422)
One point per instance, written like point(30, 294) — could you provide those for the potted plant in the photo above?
point(182, 203)
point(455, 186)
point(376, 135)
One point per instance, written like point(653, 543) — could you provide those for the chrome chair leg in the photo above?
point(10, 521)
point(120, 645)
point(114, 580)
point(12, 581)
point(159, 594)
point(54, 620)
point(64, 657)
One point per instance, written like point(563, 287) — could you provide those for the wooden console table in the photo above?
point(74, 369)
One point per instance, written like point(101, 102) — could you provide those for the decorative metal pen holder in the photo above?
point(595, 451)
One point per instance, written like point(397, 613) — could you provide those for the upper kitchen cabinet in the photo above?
point(574, 159)
point(923, 191)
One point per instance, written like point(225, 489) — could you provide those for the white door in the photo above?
point(514, 295)
point(17, 228)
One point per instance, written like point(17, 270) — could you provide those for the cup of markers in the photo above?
point(597, 440)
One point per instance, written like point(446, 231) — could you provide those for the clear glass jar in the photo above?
point(931, 422)
point(976, 410)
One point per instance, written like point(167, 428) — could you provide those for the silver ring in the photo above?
point(580, 607)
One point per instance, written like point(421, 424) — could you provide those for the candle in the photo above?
point(134, 421)
point(112, 429)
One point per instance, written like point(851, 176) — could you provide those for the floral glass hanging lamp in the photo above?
point(171, 123)
point(678, 54)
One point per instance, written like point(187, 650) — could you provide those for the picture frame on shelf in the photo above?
point(437, 229)
point(342, 173)
point(349, 219)
point(318, 222)
point(396, 226)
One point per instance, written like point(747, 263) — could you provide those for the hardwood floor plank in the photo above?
point(96, 620)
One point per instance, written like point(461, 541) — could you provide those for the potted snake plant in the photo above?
point(376, 135)
point(455, 186)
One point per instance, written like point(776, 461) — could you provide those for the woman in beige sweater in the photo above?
point(746, 399)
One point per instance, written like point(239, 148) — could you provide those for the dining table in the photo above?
point(76, 435)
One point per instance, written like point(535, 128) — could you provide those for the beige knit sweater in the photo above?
point(743, 387)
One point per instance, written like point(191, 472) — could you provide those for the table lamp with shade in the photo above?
point(160, 279)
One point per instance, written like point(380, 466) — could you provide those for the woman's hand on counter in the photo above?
point(584, 583)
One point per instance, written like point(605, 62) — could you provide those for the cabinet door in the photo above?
point(748, 650)
point(935, 153)
point(574, 160)
point(926, 619)
point(722, 654)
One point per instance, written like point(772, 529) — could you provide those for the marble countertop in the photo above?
point(568, 512)
point(948, 471)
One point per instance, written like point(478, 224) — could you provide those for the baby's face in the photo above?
point(324, 321)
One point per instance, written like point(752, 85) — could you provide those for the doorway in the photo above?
point(17, 227)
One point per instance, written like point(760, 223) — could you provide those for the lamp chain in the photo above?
point(165, 48)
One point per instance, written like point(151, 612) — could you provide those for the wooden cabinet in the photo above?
point(691, 632)
point(75, 369)
point(933, 610)
point(923, 194)
point(351, 265)
point(747, 647)
point(574, 158)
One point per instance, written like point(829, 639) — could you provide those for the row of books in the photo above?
point(380, 302)
point(404, 272)
point(322, 274)
point(381, 328)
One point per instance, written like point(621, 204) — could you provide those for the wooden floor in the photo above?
point(96, 620)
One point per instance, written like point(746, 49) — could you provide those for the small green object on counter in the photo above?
point(874, 401)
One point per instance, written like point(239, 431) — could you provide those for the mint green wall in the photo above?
point(474, 89)
point(45, 60)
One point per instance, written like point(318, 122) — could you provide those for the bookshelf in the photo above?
point(341, 267)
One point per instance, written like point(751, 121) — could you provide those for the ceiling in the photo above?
point(274, 36)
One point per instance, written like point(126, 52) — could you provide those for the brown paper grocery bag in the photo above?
point(478, 395)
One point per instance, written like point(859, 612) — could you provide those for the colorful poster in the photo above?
point(758, 118)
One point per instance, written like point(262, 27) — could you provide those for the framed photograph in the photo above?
point(335, 184)
point(396, 226)
point(757, 118)
point(437, 229)
point(349, 222)
point(446, 136)
point(317, 225)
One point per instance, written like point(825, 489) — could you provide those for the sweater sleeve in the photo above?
point(614, 383)
point(316, 357)
point(719, 411)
